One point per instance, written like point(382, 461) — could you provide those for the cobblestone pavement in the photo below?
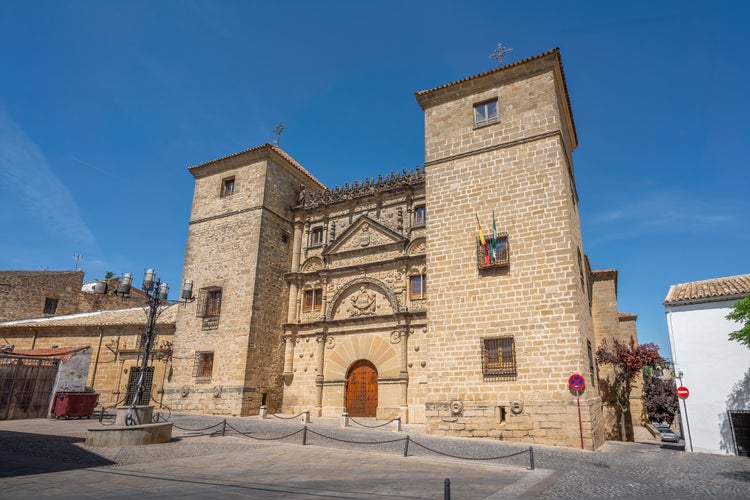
point(47, 458)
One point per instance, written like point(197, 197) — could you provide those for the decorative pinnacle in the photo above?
point(500, 53)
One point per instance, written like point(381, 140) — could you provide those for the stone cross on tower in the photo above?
point(500, 53)
point(278, 130)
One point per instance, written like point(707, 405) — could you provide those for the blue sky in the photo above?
point(104, 105)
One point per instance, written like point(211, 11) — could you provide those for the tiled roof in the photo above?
point(119, 317)
point(555, 51)
point(50, 353)
point(709, 290)
point(626, 316)
point(273, 148)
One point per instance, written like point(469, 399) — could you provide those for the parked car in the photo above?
point(660, 427)
point(667, 436)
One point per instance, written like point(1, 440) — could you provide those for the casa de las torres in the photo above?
point(383, 298)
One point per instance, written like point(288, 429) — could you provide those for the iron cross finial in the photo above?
point(278, 130)
point(500, 53)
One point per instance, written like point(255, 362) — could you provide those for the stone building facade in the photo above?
point(316, 298)
point(114, 340)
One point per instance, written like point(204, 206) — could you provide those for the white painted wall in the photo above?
point(715, 369)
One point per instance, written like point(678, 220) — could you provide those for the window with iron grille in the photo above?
point(499, 356)
point(135, 377)
point(203, 366)
point(494, 253)
point(418, 287)
point(209, 302)
point(313, 299)
point(50, 305)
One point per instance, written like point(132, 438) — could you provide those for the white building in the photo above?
point(715, 369)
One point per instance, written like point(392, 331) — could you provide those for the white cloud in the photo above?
point(39, 199)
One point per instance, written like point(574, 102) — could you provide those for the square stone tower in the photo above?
point(228, 354)
point(505, 333)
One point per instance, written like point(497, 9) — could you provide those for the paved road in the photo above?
point(48, 458)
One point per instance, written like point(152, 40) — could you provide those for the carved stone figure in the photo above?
point(363, 302)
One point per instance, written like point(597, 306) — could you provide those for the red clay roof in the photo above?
point(710, 290)
point(50, 353)
point(271, 147)
point(627, 316)
point(135, 316)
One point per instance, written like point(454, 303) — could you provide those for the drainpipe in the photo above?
point(33, 340)
point(96, 360)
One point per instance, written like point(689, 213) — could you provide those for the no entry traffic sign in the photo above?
point(682, 392)
point(576, 383)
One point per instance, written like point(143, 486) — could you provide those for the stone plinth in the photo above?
point(130, 435)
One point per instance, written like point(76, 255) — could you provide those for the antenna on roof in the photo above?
point(500, 53)
point(278, 130)
point(77, 257)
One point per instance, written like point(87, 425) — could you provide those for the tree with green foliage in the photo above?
point(660, 399)
point(628, 362)
point(741, 314)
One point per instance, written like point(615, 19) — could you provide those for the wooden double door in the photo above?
point(362, 389)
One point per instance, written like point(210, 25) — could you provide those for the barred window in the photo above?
point(209, 302)
point(418, 287)
point(591, 363)
point(313, 299)
point(203, 366)
point(499, 356)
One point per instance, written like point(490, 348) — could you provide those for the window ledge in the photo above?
point(485, 124)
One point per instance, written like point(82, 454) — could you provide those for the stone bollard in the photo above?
point(344, 419)
point(396, 424)
point(263, 413)
point(305, 416)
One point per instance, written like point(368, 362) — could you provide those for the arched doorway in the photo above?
point(362, 389)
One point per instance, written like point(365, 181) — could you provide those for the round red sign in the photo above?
point(682, 392)
point(576, 383)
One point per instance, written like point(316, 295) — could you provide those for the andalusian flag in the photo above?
point(494, 238)
point(483, 242)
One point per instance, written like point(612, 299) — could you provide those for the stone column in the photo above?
point(296, 245)
point(289, 356)
point(404, 373)
point(319, 379)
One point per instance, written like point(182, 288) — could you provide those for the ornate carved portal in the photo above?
point(362, 389)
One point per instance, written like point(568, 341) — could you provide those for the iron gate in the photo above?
point(26, 387)
point(135, 375)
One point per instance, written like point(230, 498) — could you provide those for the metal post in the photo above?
point(687, 422)
point(304, 435)
point(224, 428)
point(580, 424)
point(447, 489)
point(406, 446)
point(531, 458)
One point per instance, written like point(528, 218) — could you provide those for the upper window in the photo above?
point(316, 237)
point(50, 306)
point(227, 187)
point(209, 302)
point(419, 216)
point(485, 112)
point(203, 366)
point(499, 356)
point(418, 287)
point(313, 299)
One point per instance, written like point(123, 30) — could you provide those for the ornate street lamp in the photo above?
point(157, 295)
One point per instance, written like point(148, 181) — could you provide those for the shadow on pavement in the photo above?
point(23, 453)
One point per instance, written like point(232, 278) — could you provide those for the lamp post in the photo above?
point(684, 405)
point(157, 296)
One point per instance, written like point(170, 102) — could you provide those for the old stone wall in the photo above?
point(23, 293)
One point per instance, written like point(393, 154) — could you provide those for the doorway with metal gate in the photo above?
point(26, 387)
point(362, 389)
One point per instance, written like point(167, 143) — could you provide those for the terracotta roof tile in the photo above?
point(709, 290)
point(134, 316)
point(627, 316)
point(50, 353)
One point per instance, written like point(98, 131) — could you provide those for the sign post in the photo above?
point(577, 384)
point(683, 393)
